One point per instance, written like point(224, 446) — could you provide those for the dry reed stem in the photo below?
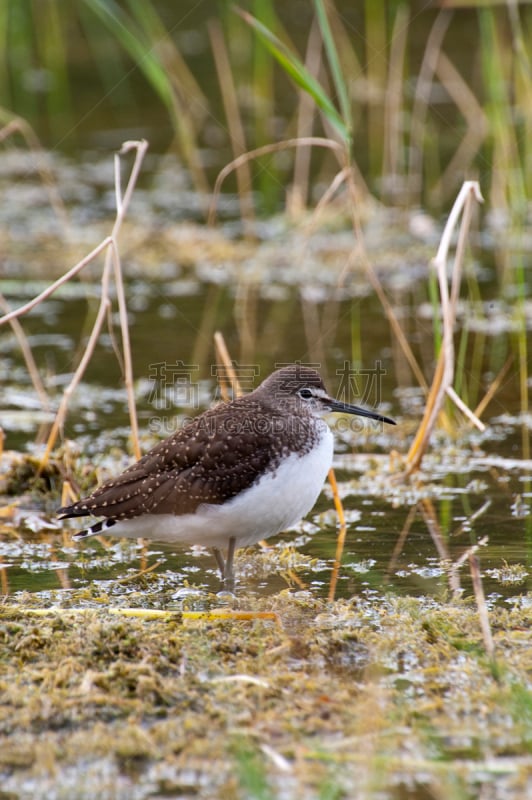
point(330, 191)
point(477, 127)
point(305, 118)
point(63, 578)
point(21, 310)
point(359, 251)
point(105, 303)
point(143, 571)
point(309, 141)
point(479, 410)
point(225, 359)
point(466, 411)
point(454, 567)
point(403, 536)
point(122, 204)
point(392, 105)
point(4, 579)
point(245, 316)
point(469, 555)
point(346, 174)
point(237, 134)
point(480, 599)
point(340, 542)
point(430, 517)
point(21, 126)
point(28, 356)
point(421, 102)
point(476, 577)
point(478, 513)
point(444, 373)
point(112, 259)
point(68, 495)
point(314, 333)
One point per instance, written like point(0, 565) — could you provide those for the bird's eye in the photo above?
point(305, 393)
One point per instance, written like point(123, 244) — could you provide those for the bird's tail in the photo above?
point(94, 530)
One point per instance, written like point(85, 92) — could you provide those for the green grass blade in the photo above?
point(115, 19)
point(334, 62)
point(252, 772)
point(297, 71)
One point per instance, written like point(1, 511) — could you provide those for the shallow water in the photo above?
point(289, 295)
point(401, 537)
point(378, 555)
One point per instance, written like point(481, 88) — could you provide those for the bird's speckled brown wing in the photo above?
point(213, 458)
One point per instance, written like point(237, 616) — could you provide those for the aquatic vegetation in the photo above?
point(361, 693)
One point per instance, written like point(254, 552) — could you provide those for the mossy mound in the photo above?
point(360, 698)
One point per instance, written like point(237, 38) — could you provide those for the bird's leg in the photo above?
point(226, 566)
point(229, 575)
point(220, 561)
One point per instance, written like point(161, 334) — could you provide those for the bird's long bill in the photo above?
point(346, 408)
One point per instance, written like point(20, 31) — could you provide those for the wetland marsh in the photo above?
point(400, 666)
